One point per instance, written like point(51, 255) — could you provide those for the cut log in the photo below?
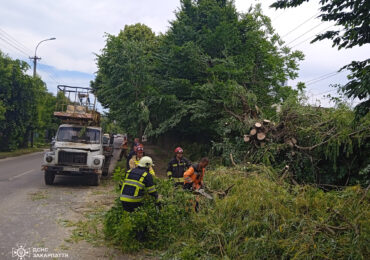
point(253, 131)
point(266, 122)
point(246, 138)
point(257, 125)
point(261, 136)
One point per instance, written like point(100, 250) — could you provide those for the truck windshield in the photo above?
point(78, 135)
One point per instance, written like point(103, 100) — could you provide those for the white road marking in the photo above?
point(20, 175)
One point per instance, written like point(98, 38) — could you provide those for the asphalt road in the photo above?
point(31, 212)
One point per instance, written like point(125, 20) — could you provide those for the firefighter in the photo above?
point(193, 177)
point(132, 151)
point(136, 183)
point(136, 158)
point(123, 148)
point(177, 166)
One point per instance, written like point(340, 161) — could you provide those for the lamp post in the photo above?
point(35, 58)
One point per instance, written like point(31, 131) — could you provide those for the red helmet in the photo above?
point(140, 147)
point(179, 150)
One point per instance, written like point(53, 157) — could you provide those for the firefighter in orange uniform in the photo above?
point(193, 177)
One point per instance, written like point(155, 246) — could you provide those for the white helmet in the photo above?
point(146, 162)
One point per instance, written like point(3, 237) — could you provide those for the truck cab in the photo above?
point(77, 148)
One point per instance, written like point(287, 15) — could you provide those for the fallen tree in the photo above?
point(323, 146)
point(254, 215)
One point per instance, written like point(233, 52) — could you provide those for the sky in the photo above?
point(79, 27)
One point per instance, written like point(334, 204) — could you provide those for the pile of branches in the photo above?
point(324, 146)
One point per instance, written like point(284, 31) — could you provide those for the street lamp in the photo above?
point(35, 58)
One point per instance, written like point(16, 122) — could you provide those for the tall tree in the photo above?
point(25, 105)
point(216, 50)
point(353, 18)
point(17, 95)
point(185, 82)
point(124, 81)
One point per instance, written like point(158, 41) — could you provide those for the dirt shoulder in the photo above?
point(160, 158)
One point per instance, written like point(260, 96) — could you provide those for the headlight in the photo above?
point(96, 161)
point(49, 159)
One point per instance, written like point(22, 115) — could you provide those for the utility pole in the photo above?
point(35, 58)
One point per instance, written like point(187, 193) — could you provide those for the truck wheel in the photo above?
point(49, 178)
point(94, 180)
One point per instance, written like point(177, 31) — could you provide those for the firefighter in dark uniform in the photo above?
point(177, 166)
point(138, 181)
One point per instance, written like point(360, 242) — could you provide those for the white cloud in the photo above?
point(79, 27)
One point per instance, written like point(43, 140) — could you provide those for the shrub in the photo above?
point(150, 226)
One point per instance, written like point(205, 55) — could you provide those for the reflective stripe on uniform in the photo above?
point(129, 198)
point(180, 164)
point(151, 189)
point(135, 183)
point(178, 179)
point(141, 181)
point(151, 171)
point(169, 174)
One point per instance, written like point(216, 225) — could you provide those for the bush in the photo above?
point(262, 217)
point(150, 226)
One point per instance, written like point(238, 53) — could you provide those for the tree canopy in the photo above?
point(25, 105)
point(213, 60)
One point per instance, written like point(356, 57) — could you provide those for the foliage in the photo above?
point(261, 217)
point(110, 126)
point(179, 82)
point(353, 18)
point(150, 226)
point(330, 149)
point(25, 105)
point(123, 82)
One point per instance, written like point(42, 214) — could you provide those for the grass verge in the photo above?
point(21, 152)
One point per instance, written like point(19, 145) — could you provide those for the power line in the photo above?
point(311, 36)
point(48, 75)
point(305, 33)
point(300, 25)
point(323, 78)
point(15, 47)
point(11, 41)
point(11, 38)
